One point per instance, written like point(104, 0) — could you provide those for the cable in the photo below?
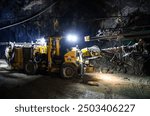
point(26, 20)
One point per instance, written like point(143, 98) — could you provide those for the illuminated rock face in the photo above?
point(72, 14)
point(88, 16)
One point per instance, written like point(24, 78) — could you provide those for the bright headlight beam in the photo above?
point(41, 41)
point(72, 38)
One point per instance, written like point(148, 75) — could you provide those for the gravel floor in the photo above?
point(14, 85)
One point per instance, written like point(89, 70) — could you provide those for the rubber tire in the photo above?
point(31, 68)
point(69, 67)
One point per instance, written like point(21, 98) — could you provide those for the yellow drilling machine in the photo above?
point(46, 56)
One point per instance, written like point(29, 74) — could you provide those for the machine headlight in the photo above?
point(41, 41)
point(86, 62)
point(72, 38)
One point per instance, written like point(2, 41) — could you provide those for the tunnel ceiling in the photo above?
point(83, 15)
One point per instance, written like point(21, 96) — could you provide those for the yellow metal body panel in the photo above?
point(58, 46)
point(49, 51)
point(85, 52)
point(40, 49)
point(18, 58)
point(70, 57)
point(53, 49)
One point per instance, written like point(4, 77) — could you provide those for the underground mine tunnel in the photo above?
point(78, 49)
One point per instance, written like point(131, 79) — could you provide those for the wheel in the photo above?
point(31, 68)
point(69, 71)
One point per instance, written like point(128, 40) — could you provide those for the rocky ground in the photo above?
point(17, 85)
